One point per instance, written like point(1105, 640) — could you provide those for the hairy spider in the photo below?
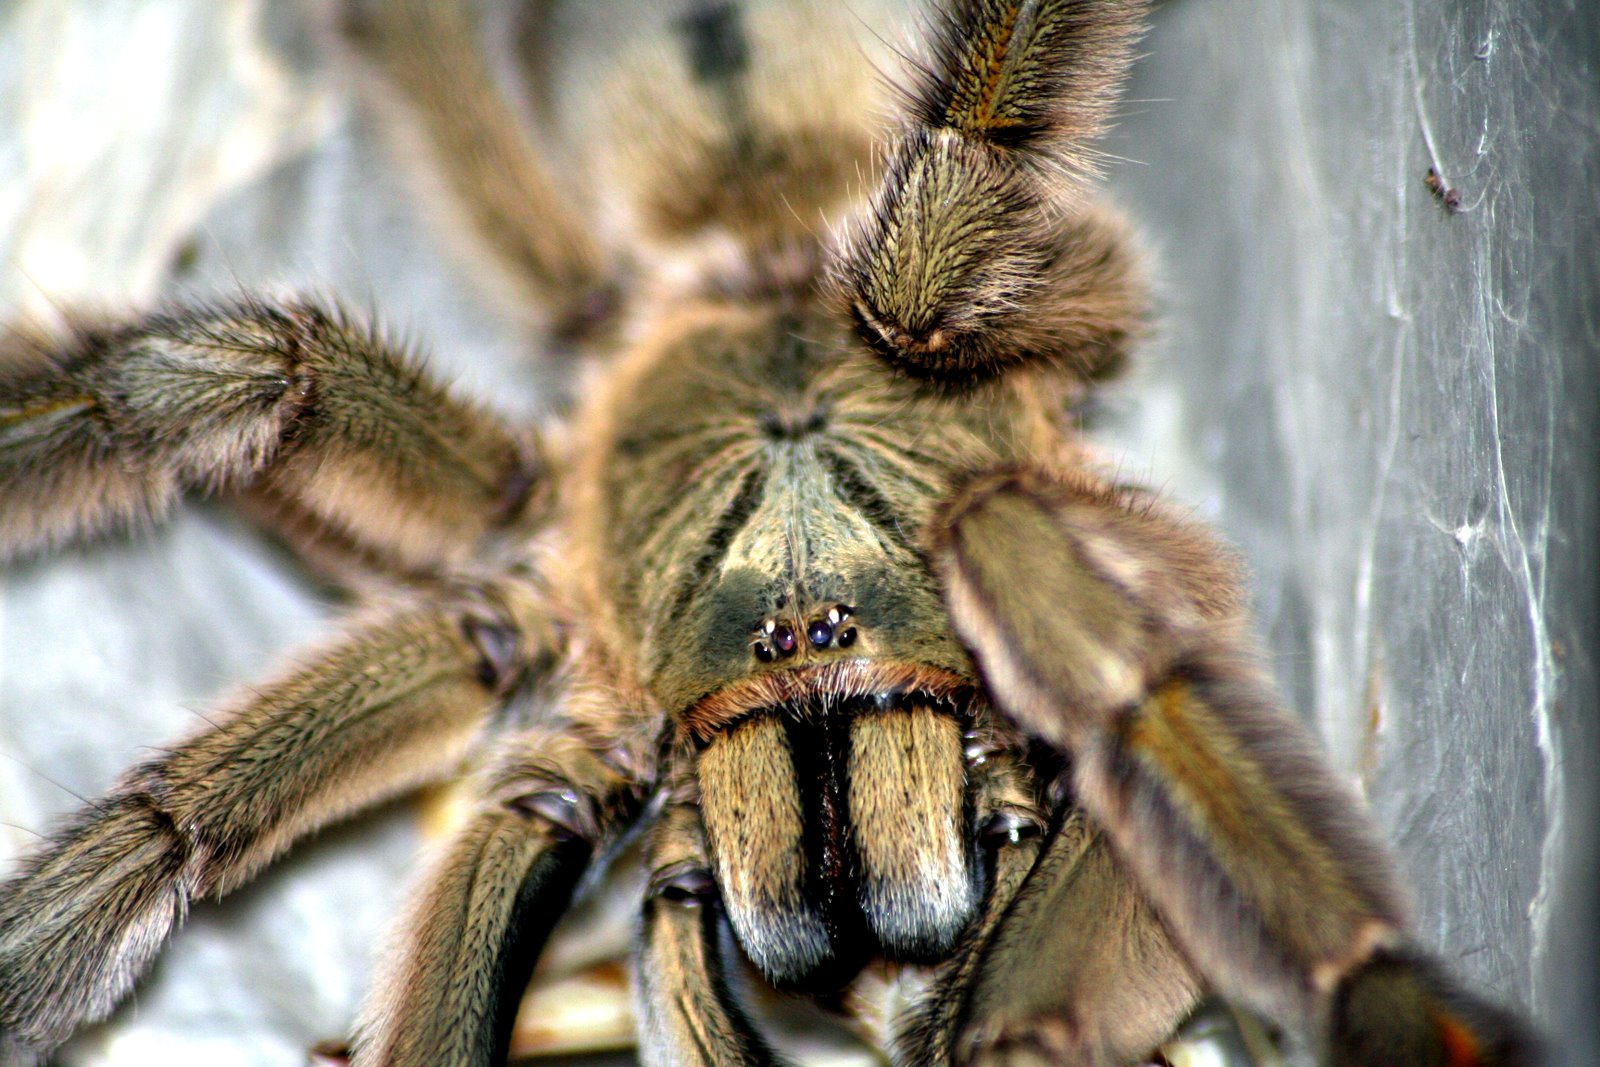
point(816, 588)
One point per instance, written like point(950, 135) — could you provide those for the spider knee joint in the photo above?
point(1024, 1043)
point(569, 815)
point(1007, 828)
point(520, 496)
point(688, 884)
point(501, 664)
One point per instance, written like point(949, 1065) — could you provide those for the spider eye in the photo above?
point(819, 633)
point(784, 638)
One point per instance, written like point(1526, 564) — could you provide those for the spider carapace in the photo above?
point(761, 507)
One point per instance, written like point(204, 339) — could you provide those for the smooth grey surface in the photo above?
point(1390, 409)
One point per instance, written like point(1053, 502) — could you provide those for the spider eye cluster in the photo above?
point(778, 637)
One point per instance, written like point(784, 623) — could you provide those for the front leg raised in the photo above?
point(1114, 633)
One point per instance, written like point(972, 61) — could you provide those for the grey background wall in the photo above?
point(1391, 409)
point(1400, 405)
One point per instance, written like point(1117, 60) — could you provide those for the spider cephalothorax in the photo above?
point(816, 587)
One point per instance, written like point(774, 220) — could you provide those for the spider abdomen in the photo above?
point(840, 831)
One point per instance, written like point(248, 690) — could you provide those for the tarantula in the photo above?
point(816, 590)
